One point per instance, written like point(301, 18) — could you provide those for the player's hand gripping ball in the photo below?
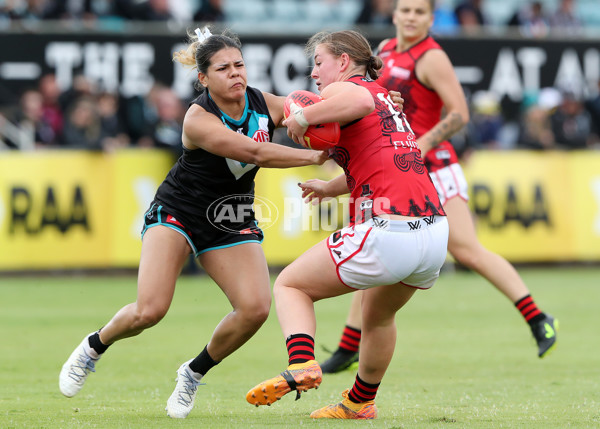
point(317, 137)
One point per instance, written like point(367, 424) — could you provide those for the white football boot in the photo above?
point(181, 401)
point(76, 369)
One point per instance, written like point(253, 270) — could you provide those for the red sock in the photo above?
point(362, 391)
point(529, 309)
point(350, 339)
point(300, 347)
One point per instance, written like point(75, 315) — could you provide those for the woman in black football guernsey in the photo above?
point(204, 206)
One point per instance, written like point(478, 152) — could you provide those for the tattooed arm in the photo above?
point(435, 71)
point(443, 130)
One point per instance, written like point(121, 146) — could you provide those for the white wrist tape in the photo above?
point(299, 115)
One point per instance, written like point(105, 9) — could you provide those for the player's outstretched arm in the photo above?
point(204, 130)
point(314, 190)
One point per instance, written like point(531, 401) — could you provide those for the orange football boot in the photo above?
point(347, 410)
point(299, 377)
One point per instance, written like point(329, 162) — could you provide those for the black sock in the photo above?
point(203, 362)
point(96, 344)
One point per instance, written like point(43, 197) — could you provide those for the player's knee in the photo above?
point(149, 317)
point(468, 258)
point(260, 315)
point(278, 284)
point(280, 287)
point(381, 320)
point(255, 314)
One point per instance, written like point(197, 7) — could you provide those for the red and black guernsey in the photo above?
point(383, 165)
point(422, 105)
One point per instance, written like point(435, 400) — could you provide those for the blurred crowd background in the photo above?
point(533, 18)
point(86, 117)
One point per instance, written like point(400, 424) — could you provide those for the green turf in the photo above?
point(464, 358)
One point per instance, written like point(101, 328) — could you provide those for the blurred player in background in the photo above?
point(415, 65)
point(226, 135)
point(394, 210)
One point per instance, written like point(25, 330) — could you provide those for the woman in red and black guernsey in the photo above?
point(395, 244)
point(415, 64)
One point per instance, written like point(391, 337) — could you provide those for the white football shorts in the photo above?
point(450, 182)
point(383, 252)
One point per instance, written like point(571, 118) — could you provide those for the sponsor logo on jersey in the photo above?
point(410, 143)
point(261, 136)
point(399, 72)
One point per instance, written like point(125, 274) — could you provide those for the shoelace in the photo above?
point(85, 364)
point(190, 385)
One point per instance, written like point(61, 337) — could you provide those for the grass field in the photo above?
point(464, 358)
